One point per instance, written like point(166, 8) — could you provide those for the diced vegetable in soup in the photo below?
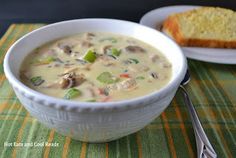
point(96, 67)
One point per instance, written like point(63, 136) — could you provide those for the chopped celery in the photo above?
point(37, 80)
point(106, 77)
point(72, 93)
point(90, 56)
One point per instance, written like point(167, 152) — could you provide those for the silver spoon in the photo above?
point(204, 147)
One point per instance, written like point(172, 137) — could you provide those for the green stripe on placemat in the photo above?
point(212, 90)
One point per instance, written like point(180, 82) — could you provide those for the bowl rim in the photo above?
point(77, 105)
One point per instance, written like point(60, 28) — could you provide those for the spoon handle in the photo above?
point(204, 147)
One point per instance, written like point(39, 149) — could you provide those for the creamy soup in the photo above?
point(96, 67)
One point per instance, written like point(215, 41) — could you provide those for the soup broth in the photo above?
point(96, 67)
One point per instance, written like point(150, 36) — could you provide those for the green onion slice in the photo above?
point(72, 93)
point(134, 60)
point(37, 80)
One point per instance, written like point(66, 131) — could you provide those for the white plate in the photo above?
point(155, 18)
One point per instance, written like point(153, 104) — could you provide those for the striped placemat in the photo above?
point(212, 90)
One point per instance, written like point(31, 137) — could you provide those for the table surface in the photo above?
point(212, 90)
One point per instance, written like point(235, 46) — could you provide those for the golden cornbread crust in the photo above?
point(172, 28)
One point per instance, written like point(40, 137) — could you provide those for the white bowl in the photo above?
point(94, 122)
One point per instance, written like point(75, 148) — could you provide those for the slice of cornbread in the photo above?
point(203, 27)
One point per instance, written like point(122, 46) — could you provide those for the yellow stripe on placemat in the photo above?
point(107, 150)
point(5, 36)
point(47, 148)
point(66, 147)
point(169, 136)
point(83, 150)
point(20, 132)
point(5, 104)
point(2, 78)
point(140, 152)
